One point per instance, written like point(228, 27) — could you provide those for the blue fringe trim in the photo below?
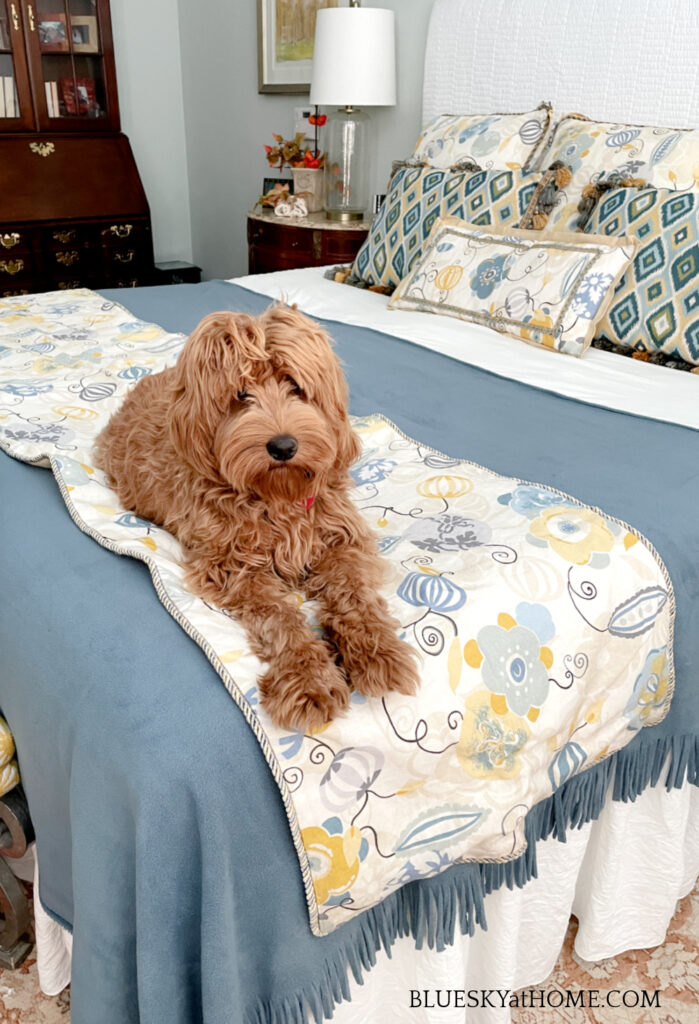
point(430, 910)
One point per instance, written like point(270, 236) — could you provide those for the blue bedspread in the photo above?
point(152, 803)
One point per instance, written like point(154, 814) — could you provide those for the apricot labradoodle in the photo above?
point(242, 451)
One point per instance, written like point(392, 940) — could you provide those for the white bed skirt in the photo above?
point(621, 876)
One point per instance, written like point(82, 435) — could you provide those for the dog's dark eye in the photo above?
point(242, 396)
point(295, 389)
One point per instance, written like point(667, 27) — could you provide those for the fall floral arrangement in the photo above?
point(293, 153)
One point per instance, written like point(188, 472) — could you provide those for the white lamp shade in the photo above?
point(354, 58)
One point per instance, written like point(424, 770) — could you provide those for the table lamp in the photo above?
point(354, 65)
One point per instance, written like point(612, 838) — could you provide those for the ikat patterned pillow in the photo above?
point(490, 140)
point(549, 289)
point(656, 304)
point(418, 196)
point(597, 151)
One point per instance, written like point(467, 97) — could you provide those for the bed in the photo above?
point(162, 843)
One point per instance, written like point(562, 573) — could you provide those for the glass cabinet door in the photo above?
point(16, 110)
point(72, 64)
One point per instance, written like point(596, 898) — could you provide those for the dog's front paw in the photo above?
point(304, 689)
point(380, 663)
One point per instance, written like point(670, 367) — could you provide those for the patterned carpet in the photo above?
point(672, 969)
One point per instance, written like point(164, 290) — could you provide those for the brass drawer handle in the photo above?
point(124, 257)
point(67, 258)
point(64, 236)
point(10, 240)
point(14, 291)
point(66, 285)
point(42, 148)
point(133, 283)
point(11, 266)
point(121, 230)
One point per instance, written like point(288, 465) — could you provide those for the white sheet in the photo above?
point(600, 378)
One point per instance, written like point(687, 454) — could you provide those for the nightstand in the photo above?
point(286, 243)
point(177, 272)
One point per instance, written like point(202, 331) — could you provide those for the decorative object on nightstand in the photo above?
point(72, 208)
point(354, 65)
point(276, 243)
point(306, 167)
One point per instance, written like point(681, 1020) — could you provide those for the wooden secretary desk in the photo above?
point(72, 207)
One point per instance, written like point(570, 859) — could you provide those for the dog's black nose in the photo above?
point(282, 447)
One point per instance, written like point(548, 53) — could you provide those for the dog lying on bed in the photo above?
point(242, 451)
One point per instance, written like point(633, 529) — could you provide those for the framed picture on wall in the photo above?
point(285, 32)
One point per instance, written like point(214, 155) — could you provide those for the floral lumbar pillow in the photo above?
point(490, 140)
point(656, 305)
point(550, 289)
point(418, 196)
point(628, 154)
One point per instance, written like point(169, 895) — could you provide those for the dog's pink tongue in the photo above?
point(308, 502)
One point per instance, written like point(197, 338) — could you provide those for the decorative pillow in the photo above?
point(549, 289)
point(503, 140)
point(419, 196)
point(594, 151)
point(656, 305)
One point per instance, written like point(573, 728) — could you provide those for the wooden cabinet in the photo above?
point(280, 244)
point(72, 207)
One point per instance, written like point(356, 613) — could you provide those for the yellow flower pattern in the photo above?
point(574, 533)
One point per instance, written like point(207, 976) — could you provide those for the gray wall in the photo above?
point(149, 77)
point(227, 122)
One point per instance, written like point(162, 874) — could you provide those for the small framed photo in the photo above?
point(53, 33)
point(79, 97)
point(269, 183)
point(83, 33)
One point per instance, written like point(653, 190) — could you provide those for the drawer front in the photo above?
point(15, 267)
point(287, 239)
point(23, 287)
point(71, 282)
point(125, 234)
point(65, 237)
point(342, 246)
point(123, 259)
point(14, 240)
point(66, 262)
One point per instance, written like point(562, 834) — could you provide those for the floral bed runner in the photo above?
point(543, 625)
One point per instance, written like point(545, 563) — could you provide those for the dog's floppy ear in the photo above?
point(303, 348)
point(217, 359)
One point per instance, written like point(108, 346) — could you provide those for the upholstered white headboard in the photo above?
point(635, 61)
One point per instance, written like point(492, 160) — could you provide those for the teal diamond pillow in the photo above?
point(656, 304)
point(418, 196)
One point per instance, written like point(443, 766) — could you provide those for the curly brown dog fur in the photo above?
point(241, 450)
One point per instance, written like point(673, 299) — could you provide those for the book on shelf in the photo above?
point(10, 96)
point(52, 99)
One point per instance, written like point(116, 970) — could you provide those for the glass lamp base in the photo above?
point(344, 215)
point(347, 165)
